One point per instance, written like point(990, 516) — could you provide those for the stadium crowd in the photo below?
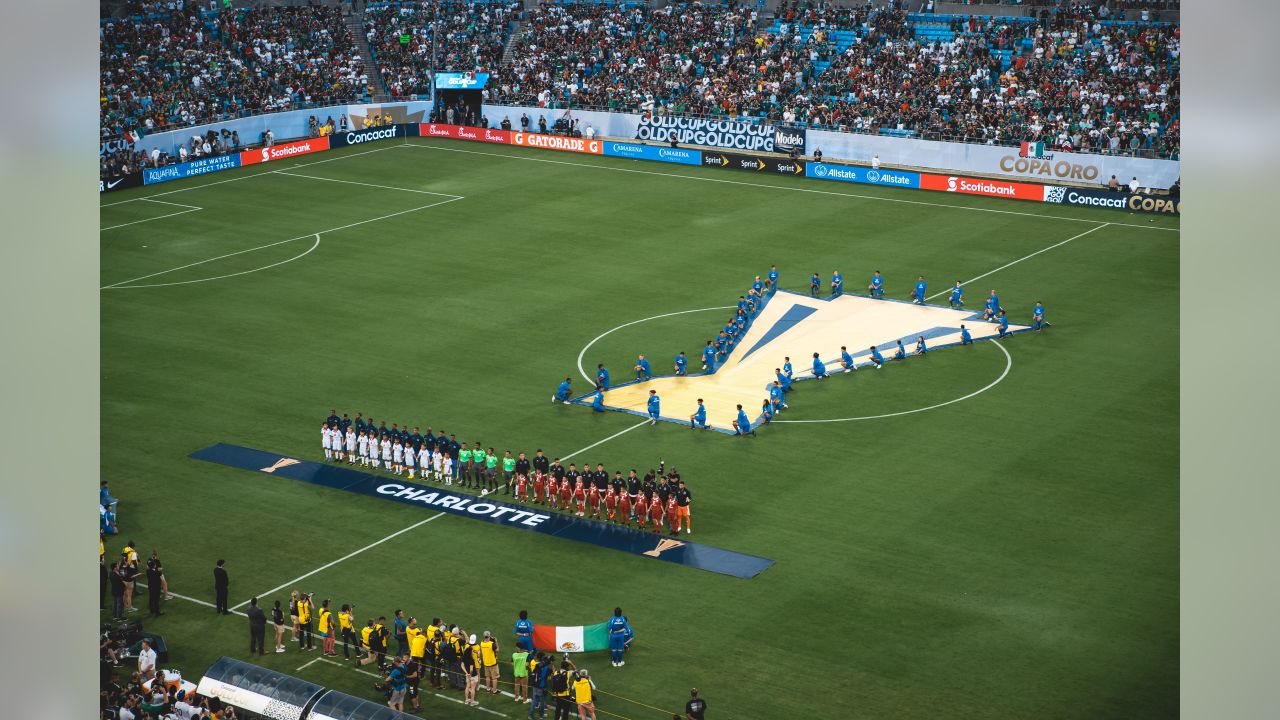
point(176, 64)
point(146, 696)
point(658, 501)
point(463, 36)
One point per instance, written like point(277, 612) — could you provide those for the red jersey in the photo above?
point(611, 504)
point(579, 493)
point(565, 493)
point(538, 487)
point(624, 507)
point(671, 510)
point(522, 488)
point(655, 512)
point(642, 509)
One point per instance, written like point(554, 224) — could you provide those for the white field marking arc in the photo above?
point(356, 182)
point(352, 554)
point(314, 245)
point(127, 284)
point(1015, 262)
point(246, 177)
point(784, 187)
point(1007, 367)
point(591, 381)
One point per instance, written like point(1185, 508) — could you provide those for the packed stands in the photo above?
point(465, 36)
point(174, 65)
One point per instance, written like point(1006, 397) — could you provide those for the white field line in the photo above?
point(304, 253)
point(436, 694)
point(1025, 257)
point(246, 177)
point(784, 187)
point(166, 202)
point(356, 182)
point(313, 662)
point(349, 555)
point(128, 283)
point(601, 442)
point(158, 217)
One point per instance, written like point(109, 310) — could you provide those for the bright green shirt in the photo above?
point(464, 456)
point(521, 662)
point(508, 464)
point(490, 461)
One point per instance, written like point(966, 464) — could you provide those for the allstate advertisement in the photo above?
point(190, 169)
point(866, 176)
point(640, 151)
point(729, 134)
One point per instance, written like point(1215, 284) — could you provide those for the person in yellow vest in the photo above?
point(366, 635)
point(520, 670)
point(560, 685)
point(130, 557)
point(305, 640)
point(103, 577)
point(347, 627)
point(434, 636)
point(417, 659)
point(489, 661)
point(582, 695)
point(328, 633)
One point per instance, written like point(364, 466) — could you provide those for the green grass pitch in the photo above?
point(1012, 555)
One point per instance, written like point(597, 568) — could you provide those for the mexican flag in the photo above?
point(582, 638)
point(1031, 150)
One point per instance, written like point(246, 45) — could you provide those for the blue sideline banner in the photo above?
point(150, 176)
point(866, 176)
point(440, 498)
point(640, 151)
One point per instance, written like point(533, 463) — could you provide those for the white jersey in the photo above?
point(326, 438)
point(396, 452)
point(386, 449)
point(351, 441)
point(364, 445)
point(448, 464)
point(424, 457)
point(408, 456)
point(436, 460)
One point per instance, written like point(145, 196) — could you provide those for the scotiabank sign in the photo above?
point(462, 132)
point(556, 142)
point(976, 186)
point(279, 152)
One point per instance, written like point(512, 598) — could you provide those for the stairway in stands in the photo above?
point(509, 52)
point(378, 89)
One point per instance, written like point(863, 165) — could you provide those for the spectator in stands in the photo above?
point(146, 659)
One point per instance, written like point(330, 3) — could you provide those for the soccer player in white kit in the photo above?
point(448, 469)
point(351, 446)
point(397, 457)
point(437, 458)
point(424, 461)
point(326, 439)
point(409, 459)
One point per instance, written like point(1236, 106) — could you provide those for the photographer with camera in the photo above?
point(305, 640)
point(347, 626)
point(560, 685)
point(397, 682)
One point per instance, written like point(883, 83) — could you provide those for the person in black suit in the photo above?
point(220, 585)
point(257, 628)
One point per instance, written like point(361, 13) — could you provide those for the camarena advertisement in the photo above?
point(729, 134)
point(150, 176)
point(653, 152)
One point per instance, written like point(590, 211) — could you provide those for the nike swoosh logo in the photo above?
point(113, 184)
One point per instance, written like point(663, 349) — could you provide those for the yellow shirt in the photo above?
point(364, 636)
point(325, 617)
point(582, 691)
point(411, 633)
point(102, 550)
point(344, 621)
point(487, 655)
point(418, 645)
point(304, 612)
point(432, 631)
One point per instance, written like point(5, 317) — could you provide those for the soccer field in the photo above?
point(987, 531)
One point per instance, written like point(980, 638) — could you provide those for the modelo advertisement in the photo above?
point(287, 150)
point(732, 134)
point(640, 151)
point(866, 176)
point(753, 163)
point(203, 166)
point(977, 186)
point(1133, 202)
point(786, 139)
point(356, 137)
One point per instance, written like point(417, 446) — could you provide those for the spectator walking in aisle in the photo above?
point(221, 585)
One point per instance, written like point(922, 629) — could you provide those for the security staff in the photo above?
point(257, 628)
point(221, 585)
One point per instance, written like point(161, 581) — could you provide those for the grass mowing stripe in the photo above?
point(344, 557)
point(601, 442)
point(372, 185)
point(144, 220)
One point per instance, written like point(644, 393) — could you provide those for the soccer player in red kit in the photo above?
point(624, 508)
point(593, 500)
point(672, 515)
point(566, 495)
point(580, 498)
point(611, 505)
point(522, 488)
point(655, 512)
point(538, 488)
point(642, 511)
